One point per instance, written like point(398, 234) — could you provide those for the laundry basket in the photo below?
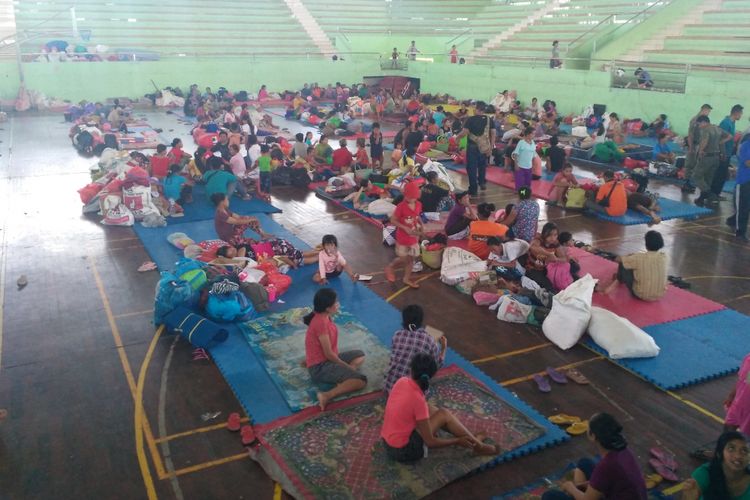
point(432, 258)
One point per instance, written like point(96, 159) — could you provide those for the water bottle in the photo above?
point(271, 289)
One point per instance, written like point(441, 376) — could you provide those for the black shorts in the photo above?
point(411, 452)
point(334, 274)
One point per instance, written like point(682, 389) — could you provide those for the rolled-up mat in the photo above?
point(194, 328)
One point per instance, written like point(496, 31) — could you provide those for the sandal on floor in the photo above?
point(234, 422)
point(542, 383)
point(556, 376)
point(147, 266)
point(663, 471)
point(578, 428)
point(652, 480)
point(248, 435)
point(666, 458)
point(563, 419)
point(576, 376)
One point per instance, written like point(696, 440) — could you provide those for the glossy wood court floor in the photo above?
point(81, 366)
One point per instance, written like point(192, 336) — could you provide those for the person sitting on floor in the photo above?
point(331, 263)
point(410, 340)
point(563, 181)
point(485, 227)
point(461, 215)
point(523, 217)
point(611, 197)
point(410, 425)
point(433, 197)
point(617, 476)
point(644, 273)
point(662, 150)
point(324, 362)
point(726, 476)
point(159, 162)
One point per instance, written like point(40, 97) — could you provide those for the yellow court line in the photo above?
point(212, 463)
point(197, 430)
point(142, 460)
point(564, 367)
point(396, 294)
point(679, 398)
point(138, 418)
point(276, 491)
point(511, 353)
point(135, 313)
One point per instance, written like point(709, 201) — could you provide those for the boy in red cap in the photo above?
point(408, 224)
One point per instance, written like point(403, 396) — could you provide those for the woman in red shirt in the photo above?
point(324, 362)
point(408, 222)
point(410, 425)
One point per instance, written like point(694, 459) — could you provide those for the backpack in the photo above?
point(299, 177)
point(483, 141)
point(171, 292)
point(229, 307)
point(241, 95)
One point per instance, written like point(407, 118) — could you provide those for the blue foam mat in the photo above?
point(693, 350)
point(202, 209)
point(238, 363)
point(251, 384)
point(320, 192)
point(165, 255)
point(670, 209)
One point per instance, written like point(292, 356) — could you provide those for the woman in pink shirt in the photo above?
point(324, 362)
point(410, 425)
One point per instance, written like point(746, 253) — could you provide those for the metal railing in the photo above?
point(423, 58)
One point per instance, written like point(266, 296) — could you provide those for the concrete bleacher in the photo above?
point(566, 22)
point(170, 27)
point(720, 38)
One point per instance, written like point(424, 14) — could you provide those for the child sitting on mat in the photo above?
point(562, 182)
point(410, 340)
point(159, 162)
point(177, 191)
point(410, 424)
point(331, 263)
point(566, 241)
point(324, 363)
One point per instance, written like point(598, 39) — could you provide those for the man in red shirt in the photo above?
point(342, 157)
point(408, 222)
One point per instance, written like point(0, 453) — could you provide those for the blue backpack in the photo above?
point(229, 307)
point(171, 292)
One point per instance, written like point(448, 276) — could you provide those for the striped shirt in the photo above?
point(405, 344)
point(649, 274)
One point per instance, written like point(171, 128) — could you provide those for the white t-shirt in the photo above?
point(254, 153)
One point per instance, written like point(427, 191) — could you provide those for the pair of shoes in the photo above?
point(664, 463)
point(542, 382)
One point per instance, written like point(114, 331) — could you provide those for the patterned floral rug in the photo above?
point(339, 453)
point(279, 342)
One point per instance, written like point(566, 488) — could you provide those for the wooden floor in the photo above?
point(79, 356)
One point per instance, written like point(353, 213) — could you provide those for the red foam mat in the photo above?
point(496, 175)
point(675, 305)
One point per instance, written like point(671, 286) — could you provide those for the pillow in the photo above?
point(619, 337)
point(570, 314)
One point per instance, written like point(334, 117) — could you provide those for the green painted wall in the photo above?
point(384, 44)
point(571, 89)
